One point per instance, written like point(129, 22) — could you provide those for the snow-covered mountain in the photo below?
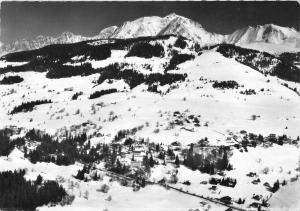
point(145, 26)
point(40, 41)
point(170, 24)
point(269, 37)
point(263, 33)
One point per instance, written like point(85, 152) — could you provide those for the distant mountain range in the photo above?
point(269, 37)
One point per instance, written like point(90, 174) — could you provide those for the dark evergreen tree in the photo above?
point(157, 148)
point(177, 162)
point(275, 187)
point(39, 180)
point(151, 161)
point(146, 164)
point(6, 145)
point(161, 156)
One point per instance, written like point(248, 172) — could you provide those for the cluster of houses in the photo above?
point(132, 154)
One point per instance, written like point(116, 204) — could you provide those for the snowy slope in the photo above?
point(287, 198)
point(200, 99)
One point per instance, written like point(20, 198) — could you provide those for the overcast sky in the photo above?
point(29, 19)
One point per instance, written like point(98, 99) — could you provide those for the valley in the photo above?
point(152, 123)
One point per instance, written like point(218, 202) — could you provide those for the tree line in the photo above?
point(28, 106)
point(102, 92)
point(52, 57)
point(226, 84)
point(11, 80)
point(134, 78)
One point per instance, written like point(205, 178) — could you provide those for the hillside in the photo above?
point(117, 121)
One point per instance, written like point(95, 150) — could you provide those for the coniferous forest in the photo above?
point(18, 193)
point(11, 80)
point(215, 160)
point(146, 50)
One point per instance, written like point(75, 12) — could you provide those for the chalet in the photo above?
point(230, 140)
point(213, 187)
point(136, 164)
point(138, 154)
point(255, 182)
point(198, 149)
point(139, 151)
point(267, 144)
point(226, 199)
point(255, 205)
point(176, 146)
point(243, 132)
point(176, 143)
point(190, 129)
point(251, 174)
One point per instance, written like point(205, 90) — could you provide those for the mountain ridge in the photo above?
point(250, 36)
